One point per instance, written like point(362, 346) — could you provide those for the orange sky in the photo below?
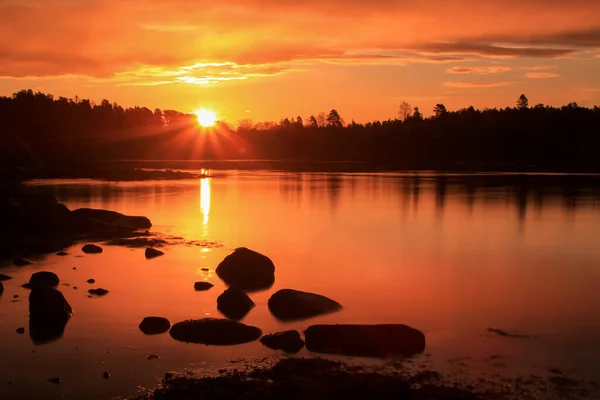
point(268, 59)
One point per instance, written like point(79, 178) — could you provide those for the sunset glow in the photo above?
point(206, 118)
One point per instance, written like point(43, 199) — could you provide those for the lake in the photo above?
point(451, 255)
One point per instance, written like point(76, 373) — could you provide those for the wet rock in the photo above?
point(211, 331)
point(91, 249)
point(153, 357)
point(98, 292)
point(247, 269)
point(62, 253)
point(290, 305)
point(288, 341)
point(365, 340)
point(234, 304)
point(154, 325)
point(49, 313)
point(152, 253)
point(5, 277)
point(112, 218)
point(44, 278)
point(56, 381)
point(106, 375)
point(91, 281)
point(202, 286)
point(20, 331)
point(21, 262)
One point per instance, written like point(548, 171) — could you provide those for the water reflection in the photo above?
point(205, 199)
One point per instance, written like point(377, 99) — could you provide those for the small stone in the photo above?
point(107, 352)
point(62, 253)
point(21, 331)
point(16, 296)
point(202, 286)
point(155, 325)
point(98, 292)
point(152, 357)
point(75, 287)
point(91, 281)
point(91, 249)
point(74, 268)
point(56, 381)
point(106, 375)
point(66, 284)
point(205, 269)
point(152, 253)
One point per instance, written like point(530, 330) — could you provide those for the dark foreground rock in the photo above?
point(152, 253)
point(288, 341)
point(91, 249)
point(365, 340)
point(202, 286)
point(234, 304)
point(21, 262)
point(98, 292)
point(290, 305)
point(155, 325)
point(309, 378)
point(44, 278)
point(1, 288)
point(113, 218)
point(247, 269)
point(5, 278)
point(49, 313)
point(211, 331)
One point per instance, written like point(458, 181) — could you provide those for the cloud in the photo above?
point(491, 50)
point(541, 75)
point(479, 70)
point(476, 84)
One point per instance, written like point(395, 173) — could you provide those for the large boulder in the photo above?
point(365, 340)
point(152, 253)
point(49, 313)
point(211, 331)
point(234, 304)
point(247, 269)
point(155, 325)
point(288, 341)
point(112, 218)
point(290, 305)
point(91, 249)
point(44, 278)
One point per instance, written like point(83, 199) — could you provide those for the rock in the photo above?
point(91, 281)
point(152, 253)
point(91, 249)
point(290, 305)
point(75, 288)
point(201, 286)
point(211, 331)
point(234, 304)
point(106, 375)
point(205, 269)
point(15, 296)
point(1, 288)
point(44, 278)
point(365, 340)
point(5, 277)
point(21, 262)
point(153, 357)
point(98, 292)
point(247, 269)
point(49, 313)
point(56, 381)
point(154, 325)
point(20, 331)
point(112, 218)
point(27, 285)
point(288, 341)
point(62, 253)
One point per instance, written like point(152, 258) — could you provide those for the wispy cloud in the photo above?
point(476, 84)
point(479, 70)
point(541, 75)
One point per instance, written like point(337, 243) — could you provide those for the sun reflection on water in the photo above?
point(205, 199)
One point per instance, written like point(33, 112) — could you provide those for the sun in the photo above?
point(205, 117)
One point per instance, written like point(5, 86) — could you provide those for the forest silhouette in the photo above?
point(39, 130)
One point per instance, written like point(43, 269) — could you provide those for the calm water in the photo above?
point(449, 255)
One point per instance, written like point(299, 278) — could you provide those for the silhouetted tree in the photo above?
point(439, 110)
point(522, 102)
point(312, 122)
point(417, 114)
point(299, 121)
point(334, 120)
point(405, 111)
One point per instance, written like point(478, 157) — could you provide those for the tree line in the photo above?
point(38, 129)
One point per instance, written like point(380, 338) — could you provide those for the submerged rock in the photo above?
point(49, 313)
point(20, 331)
point(91, 249)
point(5, 277)
point(289, 305)
point(21, 262)
point(365, 340)
point(62, 253)
point(91, 281)
point(202, 286)
point(44, 278)
point(113, 218)
point(234, 304)
point(155, 325)
point(98, 292)
point(211, 331)
point(152, 253)
point(106, 375)
point(247, 270)
point(288, 341)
